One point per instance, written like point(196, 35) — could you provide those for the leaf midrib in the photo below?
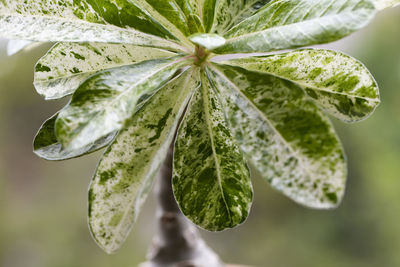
point(125, 92)
point(278, 28)
point(210, 132)
point(293, 152)
point(147, 174)
point(108, 27)
point(303, 85)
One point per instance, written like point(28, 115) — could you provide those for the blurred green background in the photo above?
point(43, 204)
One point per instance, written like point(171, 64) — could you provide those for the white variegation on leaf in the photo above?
point(67, 65)
point(211, 180)
point(47, 146)
point(382, 4)
point(117, 21)
point(284, 24)
point(283, 134)
point(104, 102)
point(341, 85)
point(125, 173)
point(116, 55)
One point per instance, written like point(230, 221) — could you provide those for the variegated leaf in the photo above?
point(117, 21)
point(47, 146)
point(126, 171)
point(284, 135)
point(229, 13)
point(250, 9)
point(284, 24)
point(67, 65)
point(104, 102)
point(341, 85)
point(180, 13)
point(211, 180)
point(382, 4)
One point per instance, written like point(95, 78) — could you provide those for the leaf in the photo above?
point(284, 24)
point(341, 85)
point(47, 146)
point(118, 21)
point(15, 46)
point(67, 65)
point(229, 13)
point(179, 13)
point(124, 176)
point(283, 134)
point(209, 41)
point(211, 181)
point(104, 102)
point(250, 9)
point(382, 4)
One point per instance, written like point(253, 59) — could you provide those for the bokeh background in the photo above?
point(43, 204)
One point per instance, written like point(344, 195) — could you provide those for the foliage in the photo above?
point(136, 68)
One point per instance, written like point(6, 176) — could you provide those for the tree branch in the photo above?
point(177, 242)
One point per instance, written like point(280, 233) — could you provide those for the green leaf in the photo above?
point(124, 176)
point(283, 134)
point(47, 146)
point(382, 4)
point(104, 102)
point(180, 13)
point(118, 21)
point(209, 41)
point(341, 85)
point(251, 7)
point(211, 180)
point(229, 13)
point(67, 65)
point(284, 24)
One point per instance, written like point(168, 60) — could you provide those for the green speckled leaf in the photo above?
point(117, 21)
point(67, 65)
point(180, 13)
point(229, 13)
point(104, 102)
point(382, 4)
point(211, 180)
point(284, 24)
point(341, 85)
point(283, 134)
point(126, 171)
point(209, 41)
point(47, 146)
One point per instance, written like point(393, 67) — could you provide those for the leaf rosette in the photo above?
point(142, 71)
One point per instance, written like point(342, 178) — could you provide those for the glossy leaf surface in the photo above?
point(211, 180)
point(180, 13)
point(67, 65)
point(283, 134)
point(47, 146)
point(382, 4)
point(284, 24)
point(229, 13)
point(104, 102)
point(126, 171)
point(341, 85)
point(118, 21)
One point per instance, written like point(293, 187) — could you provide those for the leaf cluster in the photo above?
point(142, 71)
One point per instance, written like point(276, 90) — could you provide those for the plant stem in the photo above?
point(177, 242)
